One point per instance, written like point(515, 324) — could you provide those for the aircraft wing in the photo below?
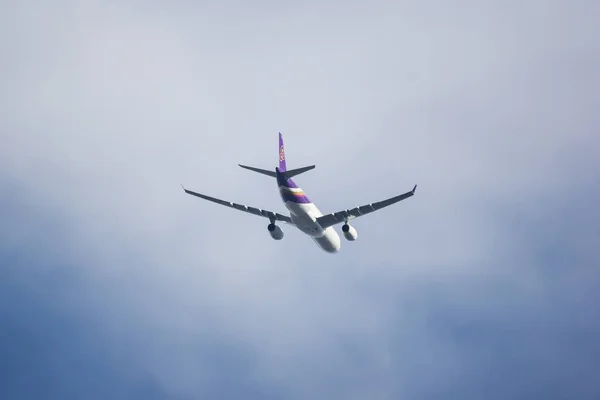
point(341, 216)
point(252, 210)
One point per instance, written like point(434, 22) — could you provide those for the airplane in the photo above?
point(304, 214)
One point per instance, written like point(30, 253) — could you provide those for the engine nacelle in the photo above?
point(275, 231)
point(349, 232)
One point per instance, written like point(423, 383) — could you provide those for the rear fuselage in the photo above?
point(304, 215)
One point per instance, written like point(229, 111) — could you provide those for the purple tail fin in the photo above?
point(282, 166)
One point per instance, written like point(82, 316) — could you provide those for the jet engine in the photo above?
point(349, 232)
point(275, 232)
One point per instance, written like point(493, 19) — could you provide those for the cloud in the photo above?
point(116, 283)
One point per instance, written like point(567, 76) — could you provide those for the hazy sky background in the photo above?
point(115, 284)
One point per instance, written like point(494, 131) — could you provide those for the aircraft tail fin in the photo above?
point(282, 165)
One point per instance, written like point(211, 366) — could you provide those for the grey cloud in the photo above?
point(490, 108)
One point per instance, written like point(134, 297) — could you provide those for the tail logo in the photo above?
point(281, 154)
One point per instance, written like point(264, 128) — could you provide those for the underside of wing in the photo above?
point(342, 216)
point(252, 210)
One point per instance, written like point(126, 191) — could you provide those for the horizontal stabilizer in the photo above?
point(260, 171)
point(287, 174)
point(293, 172)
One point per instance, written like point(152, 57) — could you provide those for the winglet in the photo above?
point(415, 188)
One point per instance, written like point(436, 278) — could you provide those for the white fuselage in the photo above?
point(304, 216)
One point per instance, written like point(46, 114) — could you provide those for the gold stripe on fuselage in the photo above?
point(297, 191)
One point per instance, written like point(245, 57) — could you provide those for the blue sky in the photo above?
point(115, 284)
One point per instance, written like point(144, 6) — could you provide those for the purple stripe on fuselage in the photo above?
point(281, 181)
point(291, 184)
point(287, 195)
